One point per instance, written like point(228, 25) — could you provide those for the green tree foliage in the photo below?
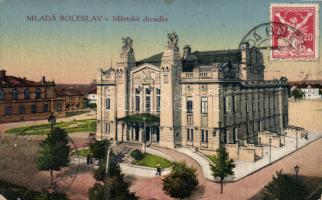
point(114, 169)
point(54, 152)
point(137, 155)
point(88, 104)
point(297, 94)
point(222, 166)
point(181, 182)
point(45, 195)
point(114, 187)
point(285, 187)
point(99, 149)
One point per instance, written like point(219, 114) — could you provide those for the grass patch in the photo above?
point(81, 152)
point(74, 113)
point(211, 158)
point(88, 125)
point(150, 160)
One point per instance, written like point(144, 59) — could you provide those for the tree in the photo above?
point(99, 149)
point(114, 169)
point(222, 166)
point(45, 195)
point(114, 187)
point(181, 181)
point(297, 94)
point(54, 152)
point(285, 187)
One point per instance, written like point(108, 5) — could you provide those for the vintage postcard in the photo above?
point(160, 100)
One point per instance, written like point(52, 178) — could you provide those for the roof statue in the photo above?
point(127, 45)
point(173, 40)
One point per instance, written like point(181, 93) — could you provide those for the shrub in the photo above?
point(137, 155)
point(181, 182)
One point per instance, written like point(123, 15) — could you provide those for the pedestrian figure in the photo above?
point(306, 136)
point(88, 158)
point(159, 170)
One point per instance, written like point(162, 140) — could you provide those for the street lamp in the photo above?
point(270, 150)
point(52, 120)
point(296, 169)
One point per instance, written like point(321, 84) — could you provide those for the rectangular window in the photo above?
point(190, 134)
point(34, 108)
point(108, 104)
point(45, 108)
point(235, 134)
point(148, 104)
point(158, 93)
point(204, 105)
point(22, 109)
point(158, 103)
point(189, 105)
point(204, 135)
point(228, 104)
point(189, 120)
point(137, 103)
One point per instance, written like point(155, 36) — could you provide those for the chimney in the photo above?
point(2, 74)
point(43, 80)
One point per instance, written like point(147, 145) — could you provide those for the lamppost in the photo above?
point(270, 150)
point(52, 121)
point(296, 169)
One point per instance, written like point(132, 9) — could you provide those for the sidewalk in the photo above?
point(245, 168)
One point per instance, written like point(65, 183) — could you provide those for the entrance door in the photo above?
point(137, 134)
point(147, 134)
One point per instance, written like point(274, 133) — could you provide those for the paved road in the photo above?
point(308, 158)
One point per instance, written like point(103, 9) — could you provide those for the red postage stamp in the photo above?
point(297, 38)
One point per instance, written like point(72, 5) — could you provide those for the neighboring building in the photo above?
point(23, 100)
point(74, 99)
point(308, 91)
point(92, 96)
point(199, 100)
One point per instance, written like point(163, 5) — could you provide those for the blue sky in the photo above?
point(66, 51)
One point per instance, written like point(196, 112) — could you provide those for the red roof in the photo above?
point(12, 81)
point(68, 92)
point(92, 91)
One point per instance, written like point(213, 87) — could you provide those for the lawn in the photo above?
point(81, 152)
point(150, 160)
point(211, 158)
point(74, 113)
point(88, 125)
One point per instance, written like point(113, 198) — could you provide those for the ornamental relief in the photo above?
point(146, 75)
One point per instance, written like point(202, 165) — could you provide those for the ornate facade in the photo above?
point(201, 99)
point(23, 100)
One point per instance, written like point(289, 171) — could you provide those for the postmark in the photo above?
point(261, 35)
point(300, 41)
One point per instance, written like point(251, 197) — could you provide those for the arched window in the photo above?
point(1, 95)
point(14, 94)
point(38, 93)
point(26, 93)
point(58, 107)
point(34, 108)
point(45, 108)
point(22, 109)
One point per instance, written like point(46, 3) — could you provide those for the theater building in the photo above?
point(198, 99)
point(23, 100)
